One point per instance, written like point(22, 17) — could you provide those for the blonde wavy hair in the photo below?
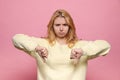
point(71, 35)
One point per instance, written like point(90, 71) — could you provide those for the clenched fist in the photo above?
point(43, 52)
point(76, 54)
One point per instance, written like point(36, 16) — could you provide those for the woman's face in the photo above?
point(60, 27)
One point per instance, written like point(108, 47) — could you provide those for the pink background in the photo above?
point(94, 19)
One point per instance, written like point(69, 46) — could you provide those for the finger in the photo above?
point(75, 61)
point(73, 57)
point(39, 53)
point(44, 56)
point(73, 51)
point(76, 56)
point(42, 50)
point(44, 59)
point(38, 48)
point(45, 53)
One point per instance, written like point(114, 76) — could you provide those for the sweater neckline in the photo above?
point(64, 45)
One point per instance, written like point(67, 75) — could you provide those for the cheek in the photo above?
point(55, 29)
point(67, 29)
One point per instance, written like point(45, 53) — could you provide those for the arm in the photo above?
point(96, 48)
point(25, 43)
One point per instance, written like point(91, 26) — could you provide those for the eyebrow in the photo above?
point(59, 23)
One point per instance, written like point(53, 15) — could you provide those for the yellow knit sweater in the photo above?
point(59, 66)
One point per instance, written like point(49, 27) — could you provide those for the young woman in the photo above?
point(60, 55)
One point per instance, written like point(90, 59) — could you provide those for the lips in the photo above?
point(61, 33)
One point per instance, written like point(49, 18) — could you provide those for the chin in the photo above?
point(61, 37)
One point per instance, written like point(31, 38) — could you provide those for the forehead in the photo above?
point(60, 20)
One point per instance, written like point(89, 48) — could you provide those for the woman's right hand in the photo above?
point(42, 51)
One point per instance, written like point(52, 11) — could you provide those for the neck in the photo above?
point(61, 41)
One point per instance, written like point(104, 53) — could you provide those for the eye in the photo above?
point(65, 24)
point(57, 24)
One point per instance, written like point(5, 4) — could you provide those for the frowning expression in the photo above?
point(60, 27)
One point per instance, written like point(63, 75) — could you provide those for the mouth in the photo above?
point(61, 33)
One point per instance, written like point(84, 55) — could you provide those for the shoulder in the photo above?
point(97, 42)
point(28, 37)
point(100, 43)
point(82, 42)
point(91, 41)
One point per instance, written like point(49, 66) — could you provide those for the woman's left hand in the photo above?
point(76, 54)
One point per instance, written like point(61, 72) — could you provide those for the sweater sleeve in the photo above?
point(26, 43)
point(96, 48)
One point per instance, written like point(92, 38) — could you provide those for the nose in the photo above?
point(61, 28)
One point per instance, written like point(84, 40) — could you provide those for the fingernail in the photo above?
point(71, 58)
